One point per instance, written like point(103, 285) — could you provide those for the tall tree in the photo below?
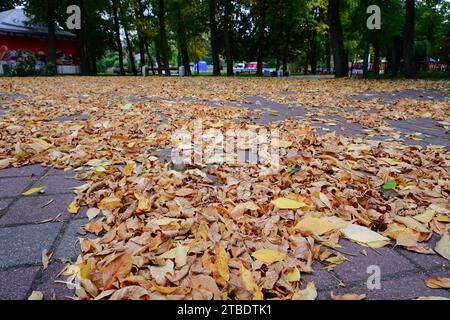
point(261, 6)
point(214, 37)
point(51, 25)
point(227, 37)
point(123, 8)
point(408, 39)
point(337, 39)
point(182, 38)
point(114, 7)
point(162, 35)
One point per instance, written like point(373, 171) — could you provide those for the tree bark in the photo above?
point(86, 64)
point(408, 39)
point(163, 36)
point(328, 53)
point(337, 39)
point(127, 39)
point(227, 38)
point(117, 34)
point(376, 49)
point(214, 39)
point(261, 36)
point(51, 21)
point(150, 58)
point(182, 42)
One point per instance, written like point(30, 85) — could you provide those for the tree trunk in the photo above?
point(261, 37)
point(337, 39)
point(328, 53)
point(150, 58)
point(163, 36)
point(408, 39)
point(51, 21)
point(139, 13)
point(376, 62)
point(214, 40)
point(127, 38)
point(83, 43)
point(313, 53)
point(117, 34)
point(182, 42)
point(158, 56)
point(227, 38)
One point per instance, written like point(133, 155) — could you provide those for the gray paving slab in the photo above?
point(357, 268)
point(16, 283)
point(4, 203)
point(37, 209)
point(69, 247)
point(51, 290)
point(427, 262)
point(403, 287)
point(12, 187)
point(58, 184)
point(27, 171)
point(23, 245)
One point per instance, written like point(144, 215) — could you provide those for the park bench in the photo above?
point(146, 70)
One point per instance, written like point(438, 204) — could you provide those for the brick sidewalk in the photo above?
point(25, 231)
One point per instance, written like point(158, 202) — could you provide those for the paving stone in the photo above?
point(323, 279)
point(69, 247)
point(32, 210)
point(28, 171)
point(50, 289)
point(404, 287)
point(4, 203)
point(58, 184)
point(15, 283)
point(426, 261)
point(24, 244)
point(388, 260)
point(12, 187)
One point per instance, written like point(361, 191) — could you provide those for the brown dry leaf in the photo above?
point(438, 283)
point(412, 223)
point(348, 297)
point(443, 246)
point(131, 293)
point(249, 283)
point(46, 257)
point(110, 203)
point(316, 226)
point(95, 227)
point(120, 267)
point(221, 264)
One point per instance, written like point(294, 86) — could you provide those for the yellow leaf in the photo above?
point(36, 295)
point(222, 263)
point(144, 203)
point(285, 144)
point(411, 223)
point(250, 284)
point(269, 256)
point(129, 168)
point(426, 217)
point(110, 203)
point(73, 207)
point(310, 293)
point(293, 275)
point(33, 191)
point(203, 231)
point(284, 203)
point(316, 226)
point(39, 145)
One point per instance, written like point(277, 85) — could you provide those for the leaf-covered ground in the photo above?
point(230, 231)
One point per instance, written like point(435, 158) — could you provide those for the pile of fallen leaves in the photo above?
point(223, 231)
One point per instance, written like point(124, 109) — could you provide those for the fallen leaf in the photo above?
point(36, 295)
point(426, 217)
point(284, 203)
point(131, 293)
point(33, 191)
point(250, 284)
point(222, 263)
point(179, 253)
point(390, 185)
point(269, 256)
point(310, 293)
point(73, 207)
point(293, 275)
point(412, 223)
point(347, 297)
point(119, 267)
point(110, 203)
point(364, 236)
point(316, 226)
point(443, 246)
point(92, 213)
point(46, 257)
point(5, 163)
point(438, 283)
